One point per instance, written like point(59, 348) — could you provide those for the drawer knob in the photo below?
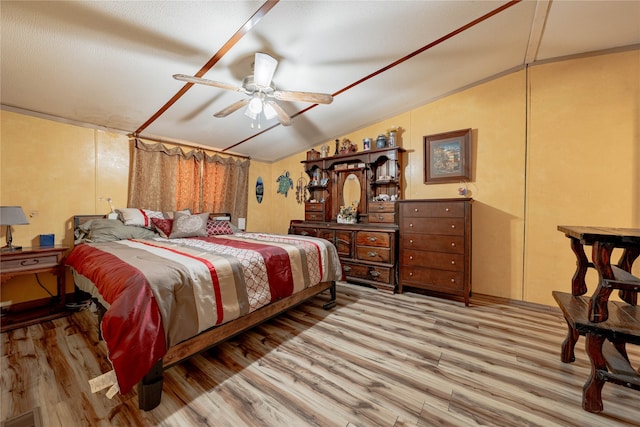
point(453, 226)
point(410, 274)
point(453, 280)
point(410, 225)
point(380, 206)
point(411, 241)
point(453, 262)
point(372, 239)
point(416, 210)
point(347, 268)
point(453, 245)
point(374, 273)
point(410, 256)
point(372, 254)
point(446, 209)
point(380, 217)
point(28, 262)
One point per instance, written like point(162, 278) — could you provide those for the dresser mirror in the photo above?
point(351, 190)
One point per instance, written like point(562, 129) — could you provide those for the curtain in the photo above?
point(169, 179)
point(225, 185)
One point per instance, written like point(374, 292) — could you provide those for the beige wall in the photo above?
point(557, 144)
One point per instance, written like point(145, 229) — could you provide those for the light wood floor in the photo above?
point(376, 359)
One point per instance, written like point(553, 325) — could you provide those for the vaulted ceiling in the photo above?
point(109, 64)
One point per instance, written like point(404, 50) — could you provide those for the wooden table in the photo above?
point(34, 260)
point(603, 240)
point(607, 325)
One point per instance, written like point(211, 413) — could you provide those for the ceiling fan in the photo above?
point(262, 92)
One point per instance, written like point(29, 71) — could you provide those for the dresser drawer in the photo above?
point(433, 279)
point(435, 243)
point(428, 259)
point(29, 262)
point(381, 207)
point(432, 210)
point(368, 272)
point(373, 238)
point(304, 231)
point(313, 216)
point(375, 254)
point(314, 207)
point(382, 217)
point(446, 226)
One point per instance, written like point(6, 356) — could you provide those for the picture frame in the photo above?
point(447, 157)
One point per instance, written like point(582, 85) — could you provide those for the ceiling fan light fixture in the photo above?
point(269, 112)
point(250, 114)
point(263, 69)
point(255, 106)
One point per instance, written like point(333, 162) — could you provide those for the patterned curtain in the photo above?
point(168, 179)
point(225, 185)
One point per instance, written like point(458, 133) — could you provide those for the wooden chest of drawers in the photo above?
point(435, 246)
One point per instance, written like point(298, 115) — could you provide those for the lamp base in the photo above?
point(10, 248)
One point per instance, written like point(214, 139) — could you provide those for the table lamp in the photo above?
point(11, 215)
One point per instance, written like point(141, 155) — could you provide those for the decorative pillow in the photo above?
point(163, 226)
point(109, 230)
point(138, 217)
point(217, 227)
point(185, 225)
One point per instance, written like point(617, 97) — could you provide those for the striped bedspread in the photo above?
point(161, 292)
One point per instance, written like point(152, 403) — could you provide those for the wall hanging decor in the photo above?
point(285, 183)
point(301, 189)
point(259, 189)
point(447, 157)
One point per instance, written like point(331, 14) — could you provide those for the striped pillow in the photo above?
point(138, 217)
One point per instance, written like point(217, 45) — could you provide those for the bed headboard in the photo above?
point(78, 220)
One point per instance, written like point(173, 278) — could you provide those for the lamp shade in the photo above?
point(12, 215)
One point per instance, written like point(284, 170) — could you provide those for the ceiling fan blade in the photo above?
point(316, 98)
point(231, 108)
point(283, 117)
point(263, 68)
point(198, 80)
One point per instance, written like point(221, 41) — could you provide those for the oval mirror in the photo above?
point(351, 190)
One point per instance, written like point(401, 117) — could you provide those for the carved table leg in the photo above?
point(626, 263)
point(567, 354)
point(592, 390)
point(601, 256)
point(578, 285)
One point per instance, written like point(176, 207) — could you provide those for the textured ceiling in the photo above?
point(110, 63)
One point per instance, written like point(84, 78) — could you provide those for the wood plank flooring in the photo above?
point(376, 359)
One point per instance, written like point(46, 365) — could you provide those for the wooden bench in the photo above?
point(605, 344)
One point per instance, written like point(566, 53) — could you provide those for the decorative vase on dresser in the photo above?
point(435, 246)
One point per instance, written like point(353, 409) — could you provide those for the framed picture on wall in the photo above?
point(447, 157)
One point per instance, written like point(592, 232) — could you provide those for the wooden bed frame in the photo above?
point(150, 387)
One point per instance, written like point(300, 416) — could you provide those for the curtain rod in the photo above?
point(190, 145)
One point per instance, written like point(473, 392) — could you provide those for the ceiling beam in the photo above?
point(248, 26)
point(537, 29)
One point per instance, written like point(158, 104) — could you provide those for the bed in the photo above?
point(165, 296)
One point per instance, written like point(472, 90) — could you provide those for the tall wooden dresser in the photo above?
point(435, 246)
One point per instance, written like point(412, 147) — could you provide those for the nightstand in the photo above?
point(33, 260)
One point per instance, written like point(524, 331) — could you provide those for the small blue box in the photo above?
point(47, 240)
